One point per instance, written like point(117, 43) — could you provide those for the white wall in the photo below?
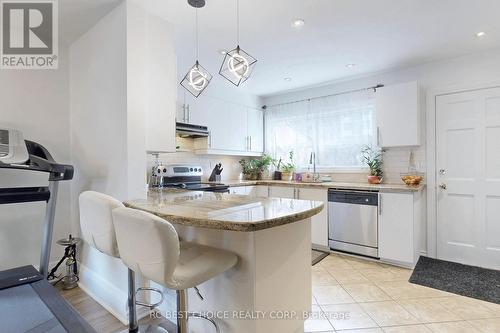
point(37, 103)
point(99, 141)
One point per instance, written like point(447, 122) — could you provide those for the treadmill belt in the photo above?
point(23, 311)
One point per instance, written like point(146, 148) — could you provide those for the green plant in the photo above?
point(256, 166)
point(290, 166)
point(373, 158)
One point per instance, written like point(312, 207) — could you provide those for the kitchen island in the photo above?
point(269, 290)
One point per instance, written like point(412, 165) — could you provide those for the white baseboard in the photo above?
point(113, 299)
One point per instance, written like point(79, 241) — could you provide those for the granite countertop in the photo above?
point(224, 211)
point(327, 185)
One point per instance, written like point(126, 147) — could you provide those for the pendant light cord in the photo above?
point(196, 25)
point(237, 22)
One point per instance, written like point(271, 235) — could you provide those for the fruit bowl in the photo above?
point(412, 179)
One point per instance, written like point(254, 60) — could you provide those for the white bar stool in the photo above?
point(96, 221)
point(150, 245)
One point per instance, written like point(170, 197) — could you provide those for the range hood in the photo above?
point(191, 131)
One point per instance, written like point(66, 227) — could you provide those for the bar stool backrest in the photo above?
point(148, 244)
point(96, 221)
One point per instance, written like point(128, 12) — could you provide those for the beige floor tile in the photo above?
point(331, 295)
point(405, 290)
point(407, 329)
point(366, 292)
point(317, 322)
point(467, 308)
point(348, 276)
point(388, 313)
point(487, 325)
point(320, 277)
point(363, 330)
point(386, 275)
point(358, 263)
point(452, 327)
point(427, 310)
point(492, 306)
point(348, 316)
point(335, 263)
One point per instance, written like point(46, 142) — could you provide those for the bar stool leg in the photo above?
point(182, 314)
point(132, 313)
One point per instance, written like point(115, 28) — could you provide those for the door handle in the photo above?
point(443, 186)
point(442, 172)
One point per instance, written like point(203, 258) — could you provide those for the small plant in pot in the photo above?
point(373, 158)
point(252, 169)
point(287, 169)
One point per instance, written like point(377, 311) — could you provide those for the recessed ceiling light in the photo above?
point(350, 65)
point(480, 34)
point(287, 79)
point(298, 23)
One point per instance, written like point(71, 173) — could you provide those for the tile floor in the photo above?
point(352, 295)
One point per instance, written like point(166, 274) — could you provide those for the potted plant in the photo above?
point(277, 172)
point(373, 158)
point(287, 169)
point(253, 169)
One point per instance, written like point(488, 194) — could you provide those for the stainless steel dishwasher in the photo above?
point(353, 221)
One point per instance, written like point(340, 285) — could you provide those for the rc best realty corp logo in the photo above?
point(29, 34)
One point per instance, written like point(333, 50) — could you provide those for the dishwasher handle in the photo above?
point(356, 198)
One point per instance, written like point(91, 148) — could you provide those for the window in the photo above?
point(335, 128)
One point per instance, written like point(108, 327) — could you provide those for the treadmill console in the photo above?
point(13, 149)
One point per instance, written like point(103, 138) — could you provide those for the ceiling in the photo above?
point(374, 35)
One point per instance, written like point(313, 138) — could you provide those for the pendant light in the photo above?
point(237, 65)
point(197, 78)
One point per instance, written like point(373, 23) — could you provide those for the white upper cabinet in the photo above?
point(398, 115)
point(255, 130)
point(160, 85)
point(234, 129)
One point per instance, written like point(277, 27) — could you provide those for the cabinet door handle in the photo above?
point(298, 193)
point(250, 142)
point(183, 113)
point(379, 204)
point(378, 136)
point(209, 139)
point(188, 114)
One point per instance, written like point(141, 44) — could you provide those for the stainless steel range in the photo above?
point(186, 177)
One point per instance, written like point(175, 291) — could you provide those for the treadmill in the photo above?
point(28, 302)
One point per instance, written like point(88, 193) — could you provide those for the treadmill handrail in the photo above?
point(41, 160)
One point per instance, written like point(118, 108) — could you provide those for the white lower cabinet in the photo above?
point(319, 222)
point(399, 228)
point(253, 191)
point(261, 191)
point(282, 192)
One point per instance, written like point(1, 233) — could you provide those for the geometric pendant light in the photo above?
point(197, 78)
point(237, 65)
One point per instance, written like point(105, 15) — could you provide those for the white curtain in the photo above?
point(334, 127)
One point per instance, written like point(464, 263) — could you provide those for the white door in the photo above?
point(468, 177)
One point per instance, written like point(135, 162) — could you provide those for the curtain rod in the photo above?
point(336, 94)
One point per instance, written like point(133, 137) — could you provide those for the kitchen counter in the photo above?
point(270, 236)
point(225, 211)
point(326, 185)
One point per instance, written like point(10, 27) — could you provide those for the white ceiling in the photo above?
point(375, 35)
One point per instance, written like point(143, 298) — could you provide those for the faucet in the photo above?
point(312, 160)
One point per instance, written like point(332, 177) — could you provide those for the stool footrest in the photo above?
point(200, 316)
point(150, 305)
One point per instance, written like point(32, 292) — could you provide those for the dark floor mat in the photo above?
point(317, 256)
point(470, 281)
